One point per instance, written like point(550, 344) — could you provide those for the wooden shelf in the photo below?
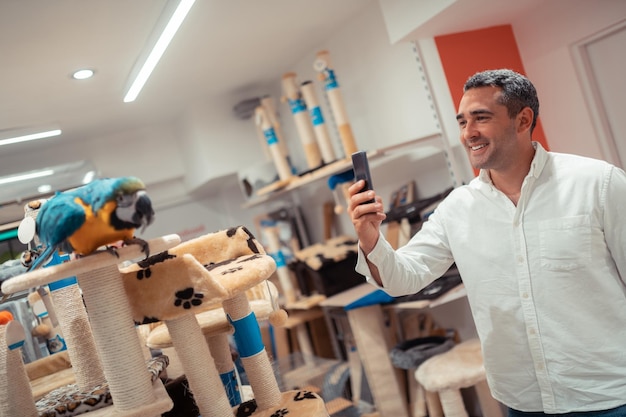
point(342, 165)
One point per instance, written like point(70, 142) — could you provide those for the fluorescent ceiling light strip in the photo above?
point(33, 136)
point(24, 177)
point(159, 48)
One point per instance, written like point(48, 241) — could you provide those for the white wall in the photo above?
point(214, 143)
point(387, 102)
point(544, 40)
point(545, 36)
point(382, 86)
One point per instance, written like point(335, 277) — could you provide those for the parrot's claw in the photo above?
point(145, 247)
point(112, 250)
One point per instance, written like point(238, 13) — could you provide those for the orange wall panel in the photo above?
point(466, 53)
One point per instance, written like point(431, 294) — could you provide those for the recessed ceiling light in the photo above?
point(83, 74)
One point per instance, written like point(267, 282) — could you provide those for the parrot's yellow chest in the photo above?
point(97, 230)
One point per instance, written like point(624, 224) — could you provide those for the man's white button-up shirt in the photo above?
point(545, 280)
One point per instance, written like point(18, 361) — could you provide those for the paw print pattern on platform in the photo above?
point(188, 298)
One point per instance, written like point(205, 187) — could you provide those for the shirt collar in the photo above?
point(539, 160)
point(536, 166)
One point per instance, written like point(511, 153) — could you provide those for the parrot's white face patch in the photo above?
point(126, 207)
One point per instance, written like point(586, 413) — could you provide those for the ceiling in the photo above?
point(224, 47)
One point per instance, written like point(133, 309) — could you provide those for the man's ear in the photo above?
point(524, 119)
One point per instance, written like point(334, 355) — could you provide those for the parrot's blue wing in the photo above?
point(57, 220)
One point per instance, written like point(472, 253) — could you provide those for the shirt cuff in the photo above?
point(376, 256)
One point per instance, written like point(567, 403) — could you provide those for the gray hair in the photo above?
point(517, 91)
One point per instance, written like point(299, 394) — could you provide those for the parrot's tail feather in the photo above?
point(42, 258)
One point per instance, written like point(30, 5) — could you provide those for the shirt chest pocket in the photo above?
point(565, 243)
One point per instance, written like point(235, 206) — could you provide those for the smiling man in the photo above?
point(539, 242)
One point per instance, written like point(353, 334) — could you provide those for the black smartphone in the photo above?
point(362, 171)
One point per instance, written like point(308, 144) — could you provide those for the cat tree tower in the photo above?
point(131, 387)
point(207, 273)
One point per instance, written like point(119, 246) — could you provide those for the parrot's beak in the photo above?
point(144, 214)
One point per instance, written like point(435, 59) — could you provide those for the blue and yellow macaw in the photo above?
point(100, 213)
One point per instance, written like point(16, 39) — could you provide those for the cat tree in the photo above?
point(214, 272)
point(210, 272)
point(132, 390)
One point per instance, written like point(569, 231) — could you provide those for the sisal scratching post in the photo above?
point(323, 65)
point(117, 340)
point(197, 362)
point(253, 355)
point(319, 125)
point(76, 329)
point(293, 97)
point(302, 334)
point(270, 110)
point(16, 397)
point(220, 350)
point(278, 157)
point(273, 244)
point(48, 327)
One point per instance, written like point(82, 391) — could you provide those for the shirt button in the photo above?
point(531, 331)
point(525, 295)
point(520, 259)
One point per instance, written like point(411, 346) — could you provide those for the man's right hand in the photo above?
point(366, 218)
